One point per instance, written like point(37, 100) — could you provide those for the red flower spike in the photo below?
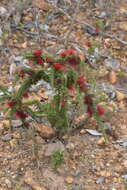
point(88, 100)
point(81, 80)
point(58, 66)
point(37, 53)
point(100, 110)
point(63, 54)
point(89, 111)
point(11, 104)
point(67, 52)
point(71, 52)
point(39, 60)
point(21, 114)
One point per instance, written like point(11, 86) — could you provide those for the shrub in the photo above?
point(70, 78)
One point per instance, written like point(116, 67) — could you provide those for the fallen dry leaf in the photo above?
point(45, 131)
point(101, 141)
point(29, 180)
point(105, 173)
point(69, 180)
point(41, 4)
point(123, 26)
point(119, 96)
point(112, 77)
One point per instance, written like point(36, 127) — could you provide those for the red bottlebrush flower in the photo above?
point(58, 66)
point(21, 114)
point(73, 61)
point(39, 60)
point(63, 54)
point(71, 52)
point(67, 52)
point(100, 110)
point(89, 111)
point(88, 100)
point(11, 104)
point(81, 80)
point(37, 53)
point(25, 95)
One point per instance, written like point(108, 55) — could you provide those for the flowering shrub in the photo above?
point(68, 77)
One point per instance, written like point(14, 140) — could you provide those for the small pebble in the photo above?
point(100, 179)
point(69, 180)
point(101, 141)
point(8, 183)
point(6, 137)
point(77, 172)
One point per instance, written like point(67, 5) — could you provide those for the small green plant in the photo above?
point(57, 158)
point(121, 74)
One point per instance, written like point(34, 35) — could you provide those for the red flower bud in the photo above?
point(67, 52)
point(89, 111)
point(11, 104)
point(37, 53)
point(88, 100)
point(21, 114)
point(71, 51)
point(63, 54)
point(81, 80)
point(58, 66)
point(100, 110)
point(39, 60)
point(25, 95)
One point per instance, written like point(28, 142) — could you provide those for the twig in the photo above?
point(37, 14)
point(116, 38)
point(71, 25)
point(86, 24)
